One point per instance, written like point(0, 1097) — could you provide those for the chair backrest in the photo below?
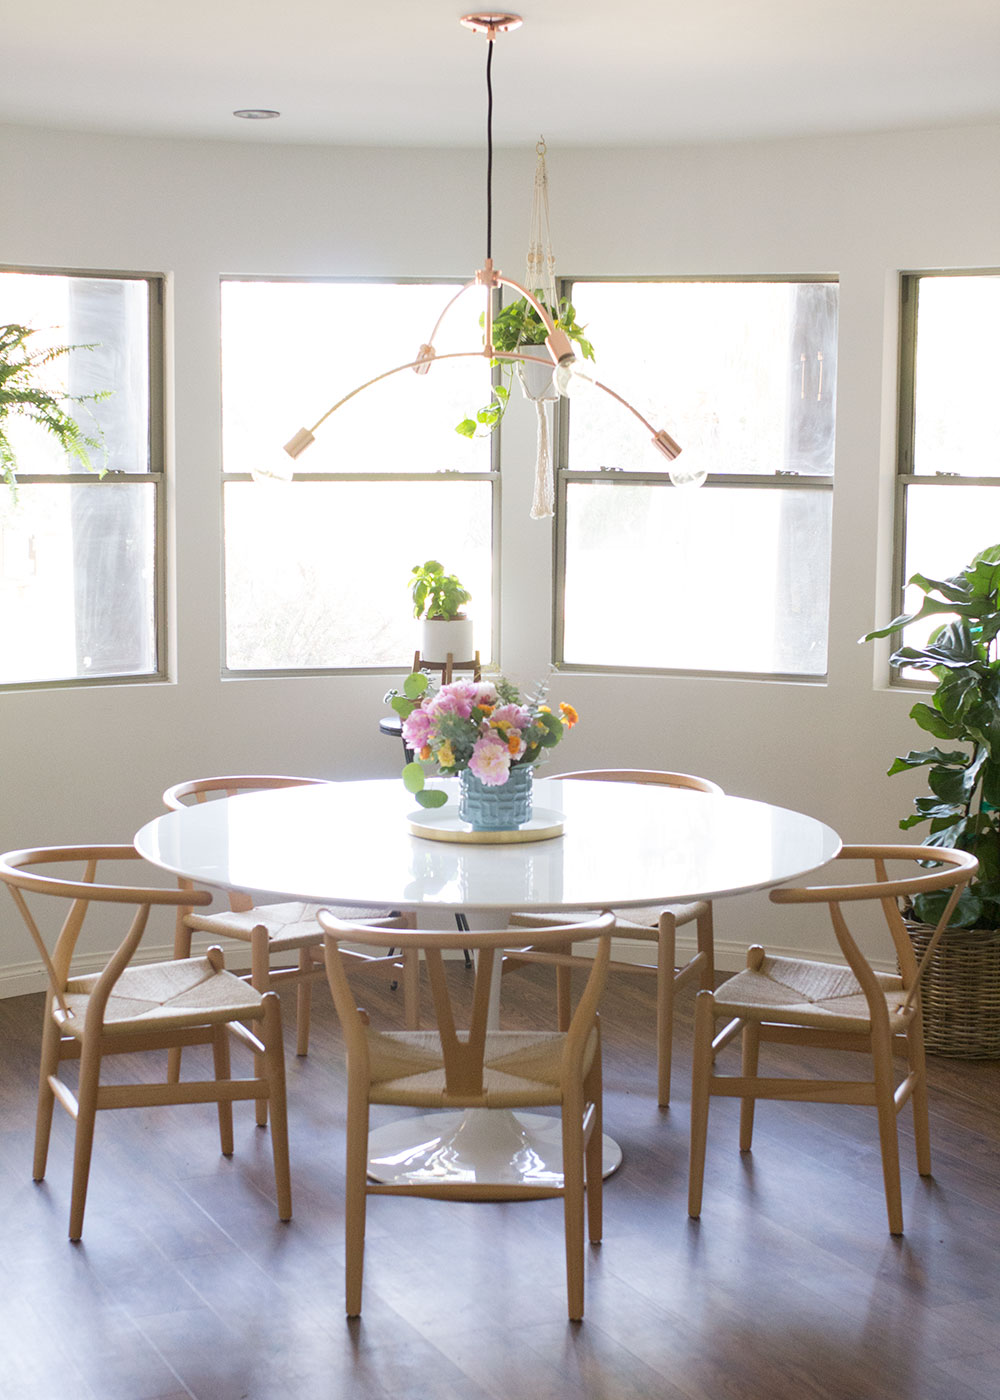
point(21, 880)
point(645, 775)
point(462, 1052)
point(206, 789)
point(955, 870)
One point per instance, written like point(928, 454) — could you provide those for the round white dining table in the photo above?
point(350, 843)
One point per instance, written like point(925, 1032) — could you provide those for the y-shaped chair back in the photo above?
point(126, 1008)
point(832, 1007)
point(657, 925)
point(476, 1067)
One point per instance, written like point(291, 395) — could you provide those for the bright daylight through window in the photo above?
point(79, 545)
point(948, 501)
point(733, 577)
point(318, 569)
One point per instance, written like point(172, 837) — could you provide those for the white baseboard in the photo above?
point(19, 979)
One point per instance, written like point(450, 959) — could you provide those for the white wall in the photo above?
point(80, 765)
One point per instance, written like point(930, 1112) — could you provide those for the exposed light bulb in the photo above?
point(686, 472)
point(571, 381)
point(274, 468)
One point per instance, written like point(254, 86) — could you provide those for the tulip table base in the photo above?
point(485, 1146)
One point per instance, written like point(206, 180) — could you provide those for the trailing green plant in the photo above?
point(437, 596)
point(519, 324)
point(963, 807)
point(23, 393)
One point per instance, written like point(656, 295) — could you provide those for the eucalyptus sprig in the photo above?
point(964, 804)
point(24, 394)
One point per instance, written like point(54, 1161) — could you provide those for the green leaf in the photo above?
point(432, 797)
point(934, 723)
point(467, 428)
point(403, 707)
point(921, 758)
point(413, 778)
point(415, 685)
point(928, 908)
point(991, 782)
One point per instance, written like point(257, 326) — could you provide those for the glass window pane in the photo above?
point(956, 374)
point(941, 540)
point(742, 374)
point(106, 320)
point(77, 582)
point(317, 573)
point(290, 350)
point(643, 589)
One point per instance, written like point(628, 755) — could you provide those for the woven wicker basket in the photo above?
point(961, 992)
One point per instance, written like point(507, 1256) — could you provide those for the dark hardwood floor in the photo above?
point(789, 1286)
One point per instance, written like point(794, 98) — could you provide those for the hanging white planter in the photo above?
point(439, 639)
point(536, 380)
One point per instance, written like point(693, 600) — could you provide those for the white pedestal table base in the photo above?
point(487, 1146)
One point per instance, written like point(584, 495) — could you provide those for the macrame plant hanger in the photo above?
point(540, 278)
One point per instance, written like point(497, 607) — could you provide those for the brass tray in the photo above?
point(444, 824)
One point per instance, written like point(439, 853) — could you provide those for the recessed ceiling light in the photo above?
point(256, 114)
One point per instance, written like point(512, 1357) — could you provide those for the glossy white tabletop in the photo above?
point(624, 844)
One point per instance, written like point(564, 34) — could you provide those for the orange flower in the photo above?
point(569, 714)
point(426, 751)
point(514, 744)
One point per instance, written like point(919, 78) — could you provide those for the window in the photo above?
point(317, 570)
point(79, 549)
point(733, 577)
point(948, 504)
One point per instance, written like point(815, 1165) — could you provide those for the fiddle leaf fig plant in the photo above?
point(24, 392)
point(963, 807)
point(515, 326)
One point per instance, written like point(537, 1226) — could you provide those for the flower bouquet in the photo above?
point(482, 730)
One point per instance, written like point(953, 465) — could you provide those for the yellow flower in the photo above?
point(445, 755)
point(569, 714)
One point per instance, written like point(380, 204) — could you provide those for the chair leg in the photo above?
point(594, 1151)
point(46, 1098)
point(885, 1103)
point(411, 989)
point(220, 1060)
point(182, 949)
point(355, 1199)
point(917, 1064)
point(90, 1074)
point(705, 935)
point(572, 1145)
point(260, 977)
point(750, 1058)
point(564, 982)
point(701, 1073)
point(274, 1060)
point(303, 1002)
point(666, 958)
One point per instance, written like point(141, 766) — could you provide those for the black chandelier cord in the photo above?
point(489, 151)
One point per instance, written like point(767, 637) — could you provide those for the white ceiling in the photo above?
point(579, 71)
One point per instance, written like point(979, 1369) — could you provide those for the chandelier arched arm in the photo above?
point(305, 437)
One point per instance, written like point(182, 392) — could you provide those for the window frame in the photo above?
point(906, 418)
point(656, 477)
point(493, 476)
point(153, 478)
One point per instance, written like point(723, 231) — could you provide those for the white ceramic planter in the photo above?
point(438, 639)
point(536, 379)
